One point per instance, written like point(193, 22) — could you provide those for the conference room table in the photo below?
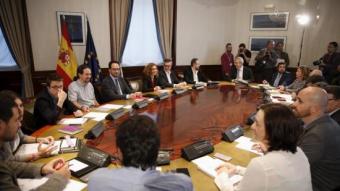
point(182, 120)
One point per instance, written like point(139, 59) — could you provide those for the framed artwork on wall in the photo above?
point(269, 21)
point(75, 25)
point(258, 43)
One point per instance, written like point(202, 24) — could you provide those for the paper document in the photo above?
point(127, 107)
point(26, 149)
point(242, 139)
point(111, 106)
point(208, 165)
point(97, 116)
point(29, 184)
point(72, 121)
point(248, 146)
point(76, 165)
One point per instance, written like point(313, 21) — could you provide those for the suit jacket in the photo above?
point(247, 74)
point(189, 76)
point(11, 170)
point(110, 92)
point(164, 80)
point(336, 116)
point(285, 79)
point(46, 110)
point(148, 84)
point(321, 144)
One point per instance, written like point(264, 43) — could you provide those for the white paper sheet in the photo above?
point(25, 149)
point(248, 145)
point(72, 121)
point(76, 165)
point(29, 184)
point(73, 142)
point(242, 139)
point(208, 165)
point(110, 106)
point(97, 116)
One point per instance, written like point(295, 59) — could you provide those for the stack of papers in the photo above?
point(72, 121)
point(30, 184)
point(26, 149)
point(208, 165)
point(245, 143)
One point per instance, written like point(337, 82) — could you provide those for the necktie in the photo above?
point(119, 90)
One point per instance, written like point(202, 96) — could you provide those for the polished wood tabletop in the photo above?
point(182, 120)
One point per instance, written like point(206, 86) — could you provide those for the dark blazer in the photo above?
point(321, 144)
point(247, 73)
point(46, 110)
point(189, 76)
point(109, 91)
point(285, 79)
point(164, 80)
point(148, 85)
point(336, 116)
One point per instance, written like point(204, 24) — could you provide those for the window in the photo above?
point(7, 62)
point(142, 44)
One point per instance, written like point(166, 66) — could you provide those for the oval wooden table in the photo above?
point(182, 120)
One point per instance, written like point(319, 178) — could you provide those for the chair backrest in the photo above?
point(136, 84)
point(98, 93)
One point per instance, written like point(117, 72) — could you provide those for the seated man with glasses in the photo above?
point(116, 87)
point(168, 77)
point(52, 102)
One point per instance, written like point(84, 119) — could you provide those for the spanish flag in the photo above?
point(67, 61)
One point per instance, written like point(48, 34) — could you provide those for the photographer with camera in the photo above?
point(330, 64)
point(266, 62)
point(244, 53)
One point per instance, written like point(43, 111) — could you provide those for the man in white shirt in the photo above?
point(167, 76)
point(240, 72)
point(81, 91)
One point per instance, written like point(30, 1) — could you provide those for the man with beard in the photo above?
point(321, 139)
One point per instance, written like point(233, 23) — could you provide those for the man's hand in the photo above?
point(85, 108)
point(46, 140)
point(157, 88)
point(47, 150)
point(264, 82)
point(58, 166)
point(78, 113)
point(61, 98)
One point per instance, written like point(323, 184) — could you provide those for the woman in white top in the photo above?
point(283, 167)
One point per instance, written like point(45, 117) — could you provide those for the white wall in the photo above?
point(44, 34)
point(205, 26)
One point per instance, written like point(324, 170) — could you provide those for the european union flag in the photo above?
point(91, 58)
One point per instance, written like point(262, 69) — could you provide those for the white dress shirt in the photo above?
point(240, 74)
point(275, 171)
point(168, 73)
point(194, 74)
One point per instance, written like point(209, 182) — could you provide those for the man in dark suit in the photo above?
point(281, 77)
point(193, 75)
point(52, 102)
point(333, 107)
point(114, 86)
point(321, 139)
point(240, 72)
point(167, 77)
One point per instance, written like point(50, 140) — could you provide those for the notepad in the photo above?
point(72, 121)
point(248, 146)
point(70, 129)
point(208, 165)
point(26, 149)
point(30, 184)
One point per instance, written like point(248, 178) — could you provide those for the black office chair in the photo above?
point(98, 93)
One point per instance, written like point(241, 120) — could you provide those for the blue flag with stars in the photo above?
point(91, 58)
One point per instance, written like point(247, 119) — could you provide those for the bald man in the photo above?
point(321, 139)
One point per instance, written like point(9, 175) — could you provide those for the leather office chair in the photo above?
point(98, 93)
point(136, 84)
